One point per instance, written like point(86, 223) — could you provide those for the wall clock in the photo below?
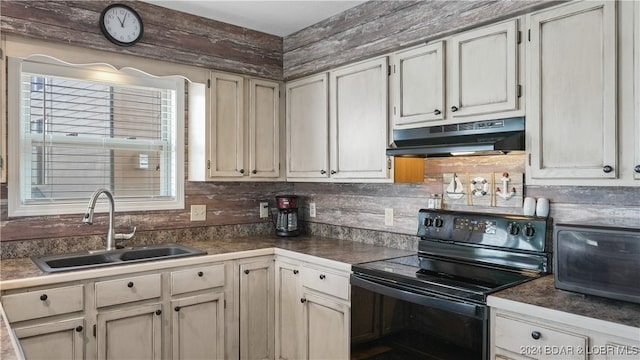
point(121, 24)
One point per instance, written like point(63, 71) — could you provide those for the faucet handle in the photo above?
point(125, 236)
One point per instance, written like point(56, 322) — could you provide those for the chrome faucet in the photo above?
point(88, 218)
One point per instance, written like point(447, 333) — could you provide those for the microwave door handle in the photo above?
point(395, 291)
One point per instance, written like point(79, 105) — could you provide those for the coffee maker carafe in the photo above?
point(287, 220)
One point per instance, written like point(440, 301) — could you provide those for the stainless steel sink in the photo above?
point(87, 260)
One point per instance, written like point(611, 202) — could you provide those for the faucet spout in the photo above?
point(88, 216)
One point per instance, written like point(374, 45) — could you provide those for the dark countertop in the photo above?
point(344, 251)
point(542, 292)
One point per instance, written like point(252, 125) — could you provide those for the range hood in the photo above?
point(473, 138)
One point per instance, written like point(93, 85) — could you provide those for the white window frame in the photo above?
point(16, 174)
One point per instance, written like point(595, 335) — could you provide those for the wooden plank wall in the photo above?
point(380, 27)
point(168, 35)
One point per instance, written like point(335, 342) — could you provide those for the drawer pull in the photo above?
point(79, 329)
point(158, 312)
point(177, 308)
point(295, 272)
point(44, 297)
point(454, 108)
point(246, 271)
point(607, 169)
point(536, 335)
point(303, 300)
point(200, 274)
point(322, 276)
point(130, 284)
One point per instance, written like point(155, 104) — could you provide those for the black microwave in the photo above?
point(598, 260)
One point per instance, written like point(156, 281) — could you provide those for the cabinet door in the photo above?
point(308, 127)
point(326, 327)
point(289, 324)
point(226, 130)
point(53, 340)
point(358, 119)
point(636, 164)
point(197, 326)
point(418, 86)
point(571, 115)
point(256, 310)
point(484, 70)
point(264, 128)
point(134, 332)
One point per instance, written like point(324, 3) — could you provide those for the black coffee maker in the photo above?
point(287, 218)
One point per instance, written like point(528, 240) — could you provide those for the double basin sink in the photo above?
point(78, 261)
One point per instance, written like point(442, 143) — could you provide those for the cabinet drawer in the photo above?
point(197, 279)
point(534, 340)
point(41, 303)
point(127, 289)
point(326, 282)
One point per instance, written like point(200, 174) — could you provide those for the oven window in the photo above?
point(384, 327)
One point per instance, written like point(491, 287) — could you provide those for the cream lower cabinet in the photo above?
point(129, 317)
point(256, 307)
point(313, 311)
point(532, 333)
point(48, 322)
point(198, 313)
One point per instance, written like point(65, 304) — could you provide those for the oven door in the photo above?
point(390, 320)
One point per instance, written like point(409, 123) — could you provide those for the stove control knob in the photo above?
point(513, 229)
point(439, 222)
point(529, 230)
point(428, 222)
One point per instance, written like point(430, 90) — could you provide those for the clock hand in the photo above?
point(124, 19)
point(121, 21)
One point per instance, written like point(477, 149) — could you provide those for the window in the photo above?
point(80, 128)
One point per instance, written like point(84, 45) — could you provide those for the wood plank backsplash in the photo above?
point(379, 27)
point(168, 35)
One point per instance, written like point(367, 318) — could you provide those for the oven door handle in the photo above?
point(421, 298)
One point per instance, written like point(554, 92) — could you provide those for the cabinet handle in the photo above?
point(158, 312)
point(177, 308)
point(130, 284)
point(303, 300)
point(454, 108)
point(44, 297)
point(607, 169)
point(637, 169)
point(333, 172)
point(322, 172)
point(322, 276)
point(295, 272)
point(254, 171)
point(200, 274)
point(536, 335)
point(241, 171)
point(246, 271)
point(437, 112)
point(79, 329)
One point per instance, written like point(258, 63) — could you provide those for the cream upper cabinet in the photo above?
point(572, 97)
point(418, 86)
point(234, 129)
point(226, 131)
point(484, 70)
point(308, 127)
point(358, 121)
point(337, 124)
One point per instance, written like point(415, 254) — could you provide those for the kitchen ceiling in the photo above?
point(279, 18)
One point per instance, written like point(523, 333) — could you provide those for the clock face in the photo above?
point(121, 24)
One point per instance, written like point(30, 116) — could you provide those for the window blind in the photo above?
point(95, 130)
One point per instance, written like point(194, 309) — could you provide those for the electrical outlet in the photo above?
point(264, 209)
point(198, 212)
point(312, 209)
point(388, 216)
